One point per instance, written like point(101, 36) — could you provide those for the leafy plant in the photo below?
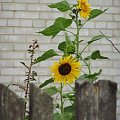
point(61, 71)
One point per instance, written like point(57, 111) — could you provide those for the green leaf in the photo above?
point(62, 46)
point(70, 48)
point(98, 37)
point(65, 116)
point(87, 58)
point(95, 13)
point(70, 109)
point(48, 54)
point(56, 116)
point(96, 55)
point(91, 77)
point(46, 82)
point(63, 6)
point(51, 90)
point(59, 25)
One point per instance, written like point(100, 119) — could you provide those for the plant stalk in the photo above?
point(61, 98)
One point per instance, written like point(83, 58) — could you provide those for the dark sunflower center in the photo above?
point(64, 69)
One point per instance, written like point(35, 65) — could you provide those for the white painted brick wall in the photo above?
point(21, 19)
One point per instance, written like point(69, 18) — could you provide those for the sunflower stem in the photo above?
point(61, 98)
point(77, 35)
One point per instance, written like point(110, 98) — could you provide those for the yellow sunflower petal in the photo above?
point(66, 70)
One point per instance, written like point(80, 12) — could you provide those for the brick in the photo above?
point(25, 31)
point(3, 22)
point(115, 56)
point(13, 6)
point(116, 79)
point(104, 17)
point(5, 30)
point(12, 55)
point(18, 64)
point(101, 2)
point(6, 63)
point(113, 10)
point(116, 17)
point(42, 71)
point(118, 47)
point(104, 48)
point(89, 25)
point(50, 15)
point(25, 23)
point(38, 7)
point(102, 64)
point(40, 38)
point(38, 23)
point(4, 46)
point(49, 2)
point(49, 22)
point(12, 71)
point(100, 24)
point(6, 14)
point(116, 2)
point(118, 116)
point(112, 25)
point(107, 32)
point(46, 64)
point(45, 47)
point(0, 6)
point(21, 47)
point(116, 32)
point(13, 38)
point(110, 71)
point(27, 1)
point(13, 22)
point(6, 79)
point(31, 15)
point(6, 1)
point(116, 64)
point(94, 32)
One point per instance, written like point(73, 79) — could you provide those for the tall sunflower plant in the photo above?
point(69, 67)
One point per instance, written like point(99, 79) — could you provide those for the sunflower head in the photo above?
point(84, 8)
point(67, 70)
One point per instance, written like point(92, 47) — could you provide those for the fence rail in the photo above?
point(93, 102)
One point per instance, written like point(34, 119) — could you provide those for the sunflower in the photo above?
point(84, 8)
point(67, 70)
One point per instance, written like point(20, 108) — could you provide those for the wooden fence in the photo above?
point(93, 102)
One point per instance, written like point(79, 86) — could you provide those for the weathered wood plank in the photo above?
point(41, 107)
point(96, 101)
point(11, 106)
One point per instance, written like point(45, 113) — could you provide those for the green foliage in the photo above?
point(46, 82)
point(48, 54)
point(96, 55)
point(26, 117)
point(62, 6)
point(68, 46)
point(98, 37)
point(95, 13)
point(91, 77)
point(65, 116)
point(70, 109)
point(69, 96)
point(59, 25)
point(51, 90)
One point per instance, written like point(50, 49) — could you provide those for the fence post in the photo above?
point(11, 106)
point(96, 101)
point(41, 107)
